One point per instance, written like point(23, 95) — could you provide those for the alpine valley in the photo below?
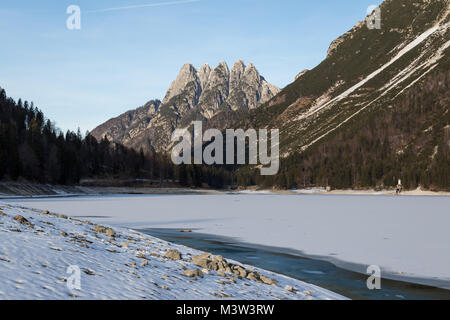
point(374, 111)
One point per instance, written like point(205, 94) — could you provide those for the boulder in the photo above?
point(193, 273)
point(109, 232)
point(189, 273)
point(202, 260)
point(253, 277)
point(173, 255)
point(20, 219)
point(268, 280)
point(206, 261)
point(199, 273)
point(242, 272)
point(221, 274)
point(290, 288)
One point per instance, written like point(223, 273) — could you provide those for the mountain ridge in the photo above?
point(195, 94)
point(368, 82)
point(360, 68)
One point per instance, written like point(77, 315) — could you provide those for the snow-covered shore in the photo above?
point(37, 247)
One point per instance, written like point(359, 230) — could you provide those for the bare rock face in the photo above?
point(126, 128)
point(185, 91)
point(203, 74)
point(248, 88)
point(348, 35)
point(194, 95)
point(187, 75)
point(237, 71)
point(301, 74)
point(216, 91)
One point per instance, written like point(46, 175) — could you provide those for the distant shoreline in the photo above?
point(417, 192)
point(20, 189)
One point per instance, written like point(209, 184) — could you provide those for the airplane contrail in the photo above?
point(157, 4)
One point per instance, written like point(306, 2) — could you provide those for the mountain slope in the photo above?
point(118, 129)
point(369, 68)
point(367, 72)
point(194, 95)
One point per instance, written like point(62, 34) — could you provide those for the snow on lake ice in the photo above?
point(38, 247)
point(406, 236)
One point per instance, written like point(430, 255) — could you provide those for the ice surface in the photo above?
point(408, 237)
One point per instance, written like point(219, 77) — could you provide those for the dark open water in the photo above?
point(321, 273)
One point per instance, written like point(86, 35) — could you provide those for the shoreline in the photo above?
point(13, 190)
point(361, 268)
point(327, 237)
point(17, 190)
point(356, 192)
point(118, 260)
point(388, 278)
point(396, 241)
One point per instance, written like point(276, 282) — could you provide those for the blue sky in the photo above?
point(121, 59)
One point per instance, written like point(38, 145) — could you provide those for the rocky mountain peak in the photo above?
point(237, 71)
point(203, 74)
point(187, 74)
point(250, 66)
point(195, 94)
point(223, 66)
point(238, 66)
point(219, 76)
point(251, 74)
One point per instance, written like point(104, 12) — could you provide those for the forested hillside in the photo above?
point(408, 140)
point(374, 111)
point(32, 148)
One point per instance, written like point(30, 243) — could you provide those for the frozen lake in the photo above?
point(407, 237)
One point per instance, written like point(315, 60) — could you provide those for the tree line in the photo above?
point(32, 149)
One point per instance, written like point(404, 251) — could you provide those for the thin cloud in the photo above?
point(157, 4)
